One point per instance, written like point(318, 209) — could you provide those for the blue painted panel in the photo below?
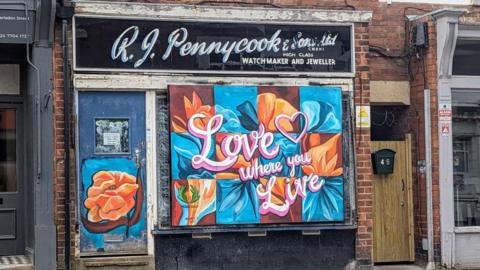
point(323, 106)
point(112, 186)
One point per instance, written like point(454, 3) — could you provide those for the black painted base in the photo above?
point(278, 250)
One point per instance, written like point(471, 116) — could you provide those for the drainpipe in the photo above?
point(428, 173)
point(65, 13)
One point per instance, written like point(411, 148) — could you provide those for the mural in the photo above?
point(255, 155)
point(113, 205)
point(112, 189)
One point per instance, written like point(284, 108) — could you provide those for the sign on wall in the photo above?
point(255, 155)
point(143, 45)
point(362, 116)
point(16, 26)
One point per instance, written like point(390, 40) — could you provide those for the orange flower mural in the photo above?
point(111, 195)
point(269, 106)
point(191, 107)
point(326, 157)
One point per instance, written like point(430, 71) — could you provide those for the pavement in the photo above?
point(398, 267)
point(17, 267)
point(18, 262)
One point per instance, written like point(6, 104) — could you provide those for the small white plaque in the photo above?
point(111, 139)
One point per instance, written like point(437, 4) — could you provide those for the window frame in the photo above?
point(465, 83)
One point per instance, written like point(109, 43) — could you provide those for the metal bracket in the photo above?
point(201, 235)
point(257, 234)
point(422, 166)
point(311, 232)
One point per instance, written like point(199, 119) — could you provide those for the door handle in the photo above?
point(403, 185)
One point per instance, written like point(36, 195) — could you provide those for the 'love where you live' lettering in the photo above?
point(255, 155)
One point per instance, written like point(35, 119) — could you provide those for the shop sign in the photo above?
point(15, 26)
point(255, 155)
point(445, 112)
point(182, 46)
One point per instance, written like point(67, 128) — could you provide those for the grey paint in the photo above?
point(28, 154)
point(13, 24)
point(39, 226)
point(45, 251)
point(40, 91)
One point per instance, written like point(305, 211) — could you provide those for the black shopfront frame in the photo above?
point(334, 61)
point(163, 225)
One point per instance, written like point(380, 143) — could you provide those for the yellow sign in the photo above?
point(362, 116)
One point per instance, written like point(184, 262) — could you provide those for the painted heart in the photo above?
point(291, 119)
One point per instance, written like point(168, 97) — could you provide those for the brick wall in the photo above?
point(59, 139)
point(364, 246)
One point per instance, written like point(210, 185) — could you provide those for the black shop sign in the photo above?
point(204, 47)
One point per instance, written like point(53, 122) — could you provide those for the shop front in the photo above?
point(26, 193)
point(458, 135)
point(220, 137)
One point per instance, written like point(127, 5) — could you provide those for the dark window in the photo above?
point(466, 58)
point(389, 123)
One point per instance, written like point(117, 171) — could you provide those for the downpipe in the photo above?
point(428, 174)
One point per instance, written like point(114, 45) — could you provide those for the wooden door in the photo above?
point(393, 206)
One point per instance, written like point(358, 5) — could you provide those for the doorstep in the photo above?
point(18, 262)
point(398, 267)
point(144, 262)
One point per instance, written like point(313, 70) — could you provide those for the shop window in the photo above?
point(192, 195)
point(466, 157)
point(8, 155)
point(466, 58)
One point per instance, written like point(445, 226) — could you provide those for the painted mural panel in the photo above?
point(255, 155)
point(112, 189)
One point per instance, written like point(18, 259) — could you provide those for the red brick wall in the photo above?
point(364, 248)
point(59, 139)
